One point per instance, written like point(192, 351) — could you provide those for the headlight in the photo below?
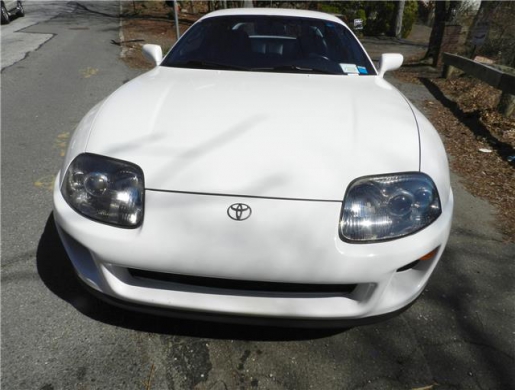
point(105, 189)
point(387, 207)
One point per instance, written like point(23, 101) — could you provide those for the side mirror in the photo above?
point(153, 53)
point(389, 61)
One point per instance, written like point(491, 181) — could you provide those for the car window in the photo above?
point(270, 44)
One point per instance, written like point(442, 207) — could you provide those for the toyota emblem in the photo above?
point(239, 211)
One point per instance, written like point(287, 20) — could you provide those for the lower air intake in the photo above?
point(245, 285)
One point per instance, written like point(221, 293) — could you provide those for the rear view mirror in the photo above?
point(153, 53)
point(389, 61)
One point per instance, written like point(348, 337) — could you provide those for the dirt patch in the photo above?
point(149, 22)
point(477, 99)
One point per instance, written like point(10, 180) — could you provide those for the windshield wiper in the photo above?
point(293, 69)
point(206, 65)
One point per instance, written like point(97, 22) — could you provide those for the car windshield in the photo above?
point(270, 44)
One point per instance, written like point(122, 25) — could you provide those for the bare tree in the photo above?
point(444, 12)
point(499, 16)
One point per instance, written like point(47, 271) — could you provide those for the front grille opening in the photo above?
point(245, 285)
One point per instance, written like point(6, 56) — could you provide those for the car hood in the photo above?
point(259, 134)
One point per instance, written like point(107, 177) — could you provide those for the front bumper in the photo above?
point(187, 234)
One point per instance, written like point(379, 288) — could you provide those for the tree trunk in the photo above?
point(483, 15)
point(398, 19)
point(444, 11)
point(437, 31)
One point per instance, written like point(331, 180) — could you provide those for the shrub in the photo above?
point(330, 8)
point(409, 17)
point(381, 16)
point(361, 14)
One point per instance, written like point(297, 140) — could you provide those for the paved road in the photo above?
point(56, 336)
point(17, 43)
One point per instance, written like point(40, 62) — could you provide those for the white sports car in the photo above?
point(263, 170)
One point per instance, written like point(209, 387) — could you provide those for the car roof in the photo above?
point(274, 12)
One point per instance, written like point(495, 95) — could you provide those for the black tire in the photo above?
point(19, 10)
point(5, 16)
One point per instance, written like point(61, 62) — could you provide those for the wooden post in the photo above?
point(506, 104)
point(448, 70)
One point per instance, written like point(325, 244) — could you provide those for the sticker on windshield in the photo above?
point(362, 70)
point(349, 68)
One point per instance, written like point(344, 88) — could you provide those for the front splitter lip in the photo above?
point(280, 322)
